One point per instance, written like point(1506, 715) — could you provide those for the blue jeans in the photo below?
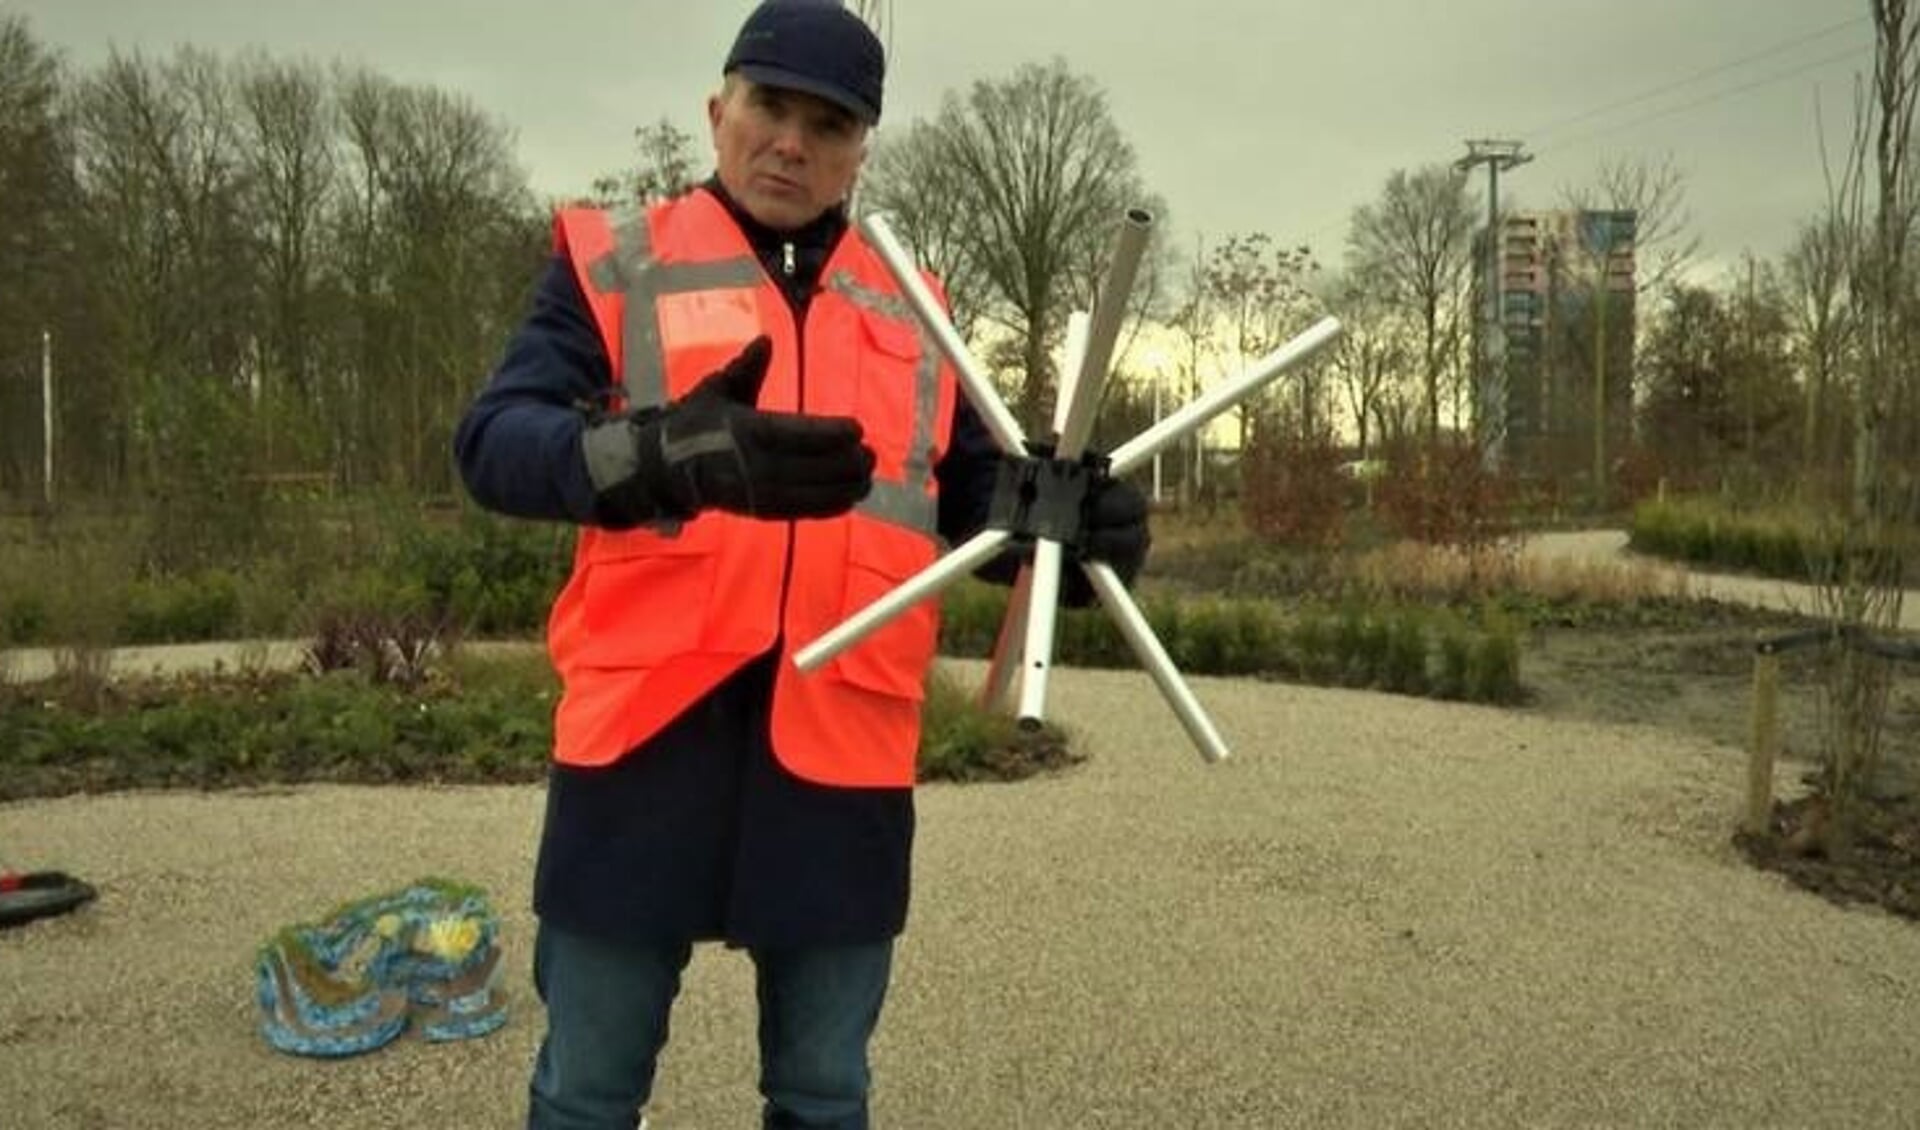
point(607, 1007)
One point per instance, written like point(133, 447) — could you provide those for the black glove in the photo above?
point(712, 449)
point(1115, 533)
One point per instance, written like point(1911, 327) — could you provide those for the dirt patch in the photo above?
point(1694, 676)
point(1880, 866)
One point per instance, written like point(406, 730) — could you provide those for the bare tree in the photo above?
point(1369, 355)
point(1822, 319)
point(251, 266)
point(436, 247)
point(1664, 243)
point(908, 178)
point(1258, 289)
point(36, 201)
point(1658, 234)
point(666, 168)
point(1876, 208)
point(159, 159)
point(1192, 320)
point(1416, 244)
point(290, 170)
point(1046, 175)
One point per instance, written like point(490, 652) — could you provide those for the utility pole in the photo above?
point(1497, 156)
point(1159, 377)
point(46, 417)
point(1753, 361)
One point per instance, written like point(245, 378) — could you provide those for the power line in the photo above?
point(1313, 234)
point(1850, 53)
point(1698, 76)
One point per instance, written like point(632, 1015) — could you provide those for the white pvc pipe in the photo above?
point(1133, 625)
point(1093, 367)
point(927, 582)
point(1043, 606)
point(1193, 417)
point(979, 387)
point(1040, 579)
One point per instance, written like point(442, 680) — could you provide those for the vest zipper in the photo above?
point(800, 405)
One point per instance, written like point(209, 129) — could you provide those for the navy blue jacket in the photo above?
point(701, 833)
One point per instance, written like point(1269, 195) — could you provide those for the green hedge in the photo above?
point(485, 576)
point(1794, 545)
point(477, 721)
point(488, 576)
point(1403, 649)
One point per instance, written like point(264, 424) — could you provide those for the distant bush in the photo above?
point(494, 576)
point(1790, 544)
point(1404, 649)
point(1442, 494)
point(1292, 490)
point(198, 606)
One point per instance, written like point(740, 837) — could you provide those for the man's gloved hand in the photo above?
point(712, 449)
point(1115, 533)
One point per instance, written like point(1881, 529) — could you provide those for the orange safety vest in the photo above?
point(654, 618)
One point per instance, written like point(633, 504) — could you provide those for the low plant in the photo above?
point(1789, 542)
point(473, 720)
point(1366, 640)
point(961, 741)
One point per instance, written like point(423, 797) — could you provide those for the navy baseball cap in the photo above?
point(815, 46)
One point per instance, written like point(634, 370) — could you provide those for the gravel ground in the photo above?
point(1381, 912)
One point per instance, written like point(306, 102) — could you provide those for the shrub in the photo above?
point(391, 647)
point(1454, 654)
point(1493, 665)
point(1292, 491)
point(1791, 544)
point(25, 617)
point(1404, 666)
point(483, 721)
point(1442, 495)
point(960, 741)
point(1315, 656)
point(1349, 646)
point(198, 606)
point(495, 576)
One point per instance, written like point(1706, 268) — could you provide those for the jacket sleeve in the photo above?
point(966, 474)
point(518, 446)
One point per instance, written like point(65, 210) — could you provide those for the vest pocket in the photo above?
point(890, 386)
point(894, 659)
point(646, 598)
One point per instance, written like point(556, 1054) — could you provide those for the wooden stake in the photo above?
point(1766, 742)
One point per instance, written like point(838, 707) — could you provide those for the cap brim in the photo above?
point(787, 80)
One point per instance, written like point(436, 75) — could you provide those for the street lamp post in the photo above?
point(1497, 156)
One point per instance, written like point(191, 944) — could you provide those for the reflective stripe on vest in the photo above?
point(904, 503)
point(631, 270)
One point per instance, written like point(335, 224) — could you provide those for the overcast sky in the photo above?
point(1269, 115)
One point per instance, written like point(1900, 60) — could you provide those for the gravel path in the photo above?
point(1382, 912)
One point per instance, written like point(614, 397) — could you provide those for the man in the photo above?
point(729, 395)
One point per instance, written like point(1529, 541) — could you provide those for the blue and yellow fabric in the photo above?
point(424, 956)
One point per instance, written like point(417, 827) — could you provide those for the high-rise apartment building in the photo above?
point(1566, 282)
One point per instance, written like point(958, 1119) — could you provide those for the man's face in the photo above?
point(785, 156)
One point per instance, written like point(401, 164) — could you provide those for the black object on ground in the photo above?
point(39, 894)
